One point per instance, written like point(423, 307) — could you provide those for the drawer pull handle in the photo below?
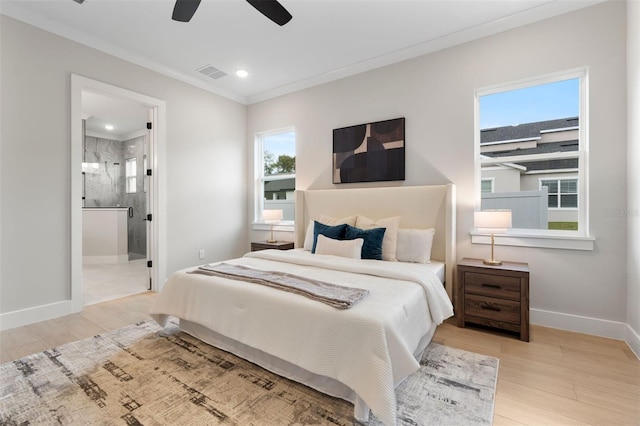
point(491, 285)
point(489, 307)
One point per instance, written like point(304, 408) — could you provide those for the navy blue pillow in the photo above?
point(336, 232)
point(372, 246)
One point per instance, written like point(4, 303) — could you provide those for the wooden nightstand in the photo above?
point(493, 296)
point(264, 245)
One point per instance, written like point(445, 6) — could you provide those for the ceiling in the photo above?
point(127, 117)
point(325, 40)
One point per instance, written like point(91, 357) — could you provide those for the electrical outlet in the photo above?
point(201, 254)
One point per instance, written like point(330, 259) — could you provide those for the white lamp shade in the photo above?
point(272, 215)
point(492, 219)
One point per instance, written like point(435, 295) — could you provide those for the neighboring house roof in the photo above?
point(525, 130)
point(533, 131)
point(280, 185)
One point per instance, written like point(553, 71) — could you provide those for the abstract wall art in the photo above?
point(369, 152)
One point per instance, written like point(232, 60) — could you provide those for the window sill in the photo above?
point(281, 227)
point(520, 239)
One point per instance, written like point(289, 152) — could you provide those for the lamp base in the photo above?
point(272, 241)
point(492, 262)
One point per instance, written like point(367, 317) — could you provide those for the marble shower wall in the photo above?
point(107, 187)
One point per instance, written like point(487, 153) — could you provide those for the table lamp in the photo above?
point(496, 222)
point(271, 217)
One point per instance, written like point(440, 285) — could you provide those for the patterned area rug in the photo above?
point(144, 375)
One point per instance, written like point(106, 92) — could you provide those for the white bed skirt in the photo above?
point(283, 368)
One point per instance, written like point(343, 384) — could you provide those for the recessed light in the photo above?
point(242, 73)
point(109, 126)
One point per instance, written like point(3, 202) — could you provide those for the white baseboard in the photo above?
point(633, 340)
point(587, 325)
point(39, 313)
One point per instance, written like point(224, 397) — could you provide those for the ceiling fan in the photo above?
point(184, 9)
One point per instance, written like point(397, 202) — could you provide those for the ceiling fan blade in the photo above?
point(184, 9)
point(272, 10)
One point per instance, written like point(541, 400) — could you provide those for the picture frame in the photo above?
point(370, 152)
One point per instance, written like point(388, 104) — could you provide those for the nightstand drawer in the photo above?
point(266, 245)
point(503, 287)
point(491, 308)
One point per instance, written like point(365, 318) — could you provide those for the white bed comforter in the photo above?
point(369, 347)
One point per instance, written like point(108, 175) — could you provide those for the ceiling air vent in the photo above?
point(211, 72)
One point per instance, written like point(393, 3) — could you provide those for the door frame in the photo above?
point(158, 184)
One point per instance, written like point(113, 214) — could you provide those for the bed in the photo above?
point(359, 354)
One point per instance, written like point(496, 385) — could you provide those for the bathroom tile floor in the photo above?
point(102, 282)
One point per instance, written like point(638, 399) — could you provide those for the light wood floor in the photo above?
point(94, 319)
point(559, 378)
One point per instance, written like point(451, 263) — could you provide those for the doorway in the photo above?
point(115, 248)
point(115, 185)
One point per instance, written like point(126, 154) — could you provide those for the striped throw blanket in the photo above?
point(339, 297)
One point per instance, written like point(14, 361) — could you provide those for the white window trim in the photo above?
point(531, 239)
point(571, 240)
point(260, 178)
point(284, 226)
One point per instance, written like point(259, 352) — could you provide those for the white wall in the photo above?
point(633, 160)
point(506, 179)
point(435, 93)
point(205, 163)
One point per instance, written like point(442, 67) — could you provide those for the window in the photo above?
point(276, 173)
point(562, 193)
point(130, 175)
point(531, 153)
point(486, 185)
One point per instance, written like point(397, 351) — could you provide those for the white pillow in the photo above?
point(327, 220)
point(343, 248)
point(414, 245)
point(390, 240)
point(308, 237)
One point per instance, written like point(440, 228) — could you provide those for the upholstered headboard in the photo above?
point(419, 206)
